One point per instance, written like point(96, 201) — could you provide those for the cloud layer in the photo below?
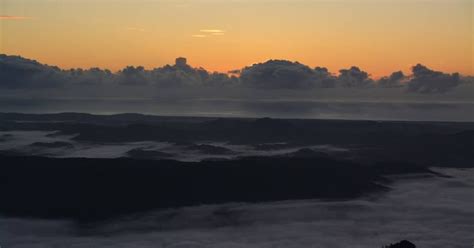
point(430, 212)
point(425, 80)
point(8, 17)
point(17, 72)
point(20, 73)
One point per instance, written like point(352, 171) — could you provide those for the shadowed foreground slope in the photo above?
point(94, 189)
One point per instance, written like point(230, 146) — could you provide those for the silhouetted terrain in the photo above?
point(402, 244)
point(133, 172)
point(89, 189)
point(433, 143)
point(145, 154)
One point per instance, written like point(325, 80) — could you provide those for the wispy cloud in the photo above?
point(212, 31)
point(8, 17)
point(209, 32)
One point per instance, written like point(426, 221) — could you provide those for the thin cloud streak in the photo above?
point(212, 31)
point(209, 32)
point(6, 17)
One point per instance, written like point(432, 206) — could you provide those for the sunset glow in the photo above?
point(379, 36)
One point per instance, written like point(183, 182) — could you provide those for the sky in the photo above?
point(379, 36)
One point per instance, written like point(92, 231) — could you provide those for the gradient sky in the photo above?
point(380, 36)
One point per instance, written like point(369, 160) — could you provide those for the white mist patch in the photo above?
point(20, 139)
point(23, 142)
point(250, 151)
point(429, 211)
point(39, 143)
point(111, 150)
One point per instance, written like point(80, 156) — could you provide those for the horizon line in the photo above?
point(228, 72)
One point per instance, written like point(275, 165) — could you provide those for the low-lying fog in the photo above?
point(429, 211)
point(372, 109)
point(51, 145)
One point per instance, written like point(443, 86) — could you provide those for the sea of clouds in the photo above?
point(429, 211)
point(23, 142)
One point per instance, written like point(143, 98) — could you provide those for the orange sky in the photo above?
point(380, 36)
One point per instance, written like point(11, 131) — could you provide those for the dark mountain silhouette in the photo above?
point(402, 244)
point(210, 149)
point(307, 153)
point(95, 189)
point(435, 143)
point(139, 153)
point(56, 144)
point(271, 146)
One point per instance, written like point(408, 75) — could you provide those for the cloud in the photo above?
point(323, 78)
point(88, 77)
point(7, 17)
point(236, 71)
point(396, 79)
point(283, 74)
point(133, 76)
point(20, 73)
point(429, 211)
point(211, 31)
point(425, 80)
point(17, 72)
point(354, 78)
point(277, 74)
point(276, 88)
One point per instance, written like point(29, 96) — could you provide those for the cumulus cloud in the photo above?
point(17, 72)
point(279, 74)
point(354, 78)
point(92, 76)
point(133, 75)
point(236, 71)
point(396, 79)
point(275, 88)
point(20, 73)
point(282, 74)
point(323, 78)
point(425, 80)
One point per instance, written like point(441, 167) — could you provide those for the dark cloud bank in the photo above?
point(19, 73)
point(276, 88)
